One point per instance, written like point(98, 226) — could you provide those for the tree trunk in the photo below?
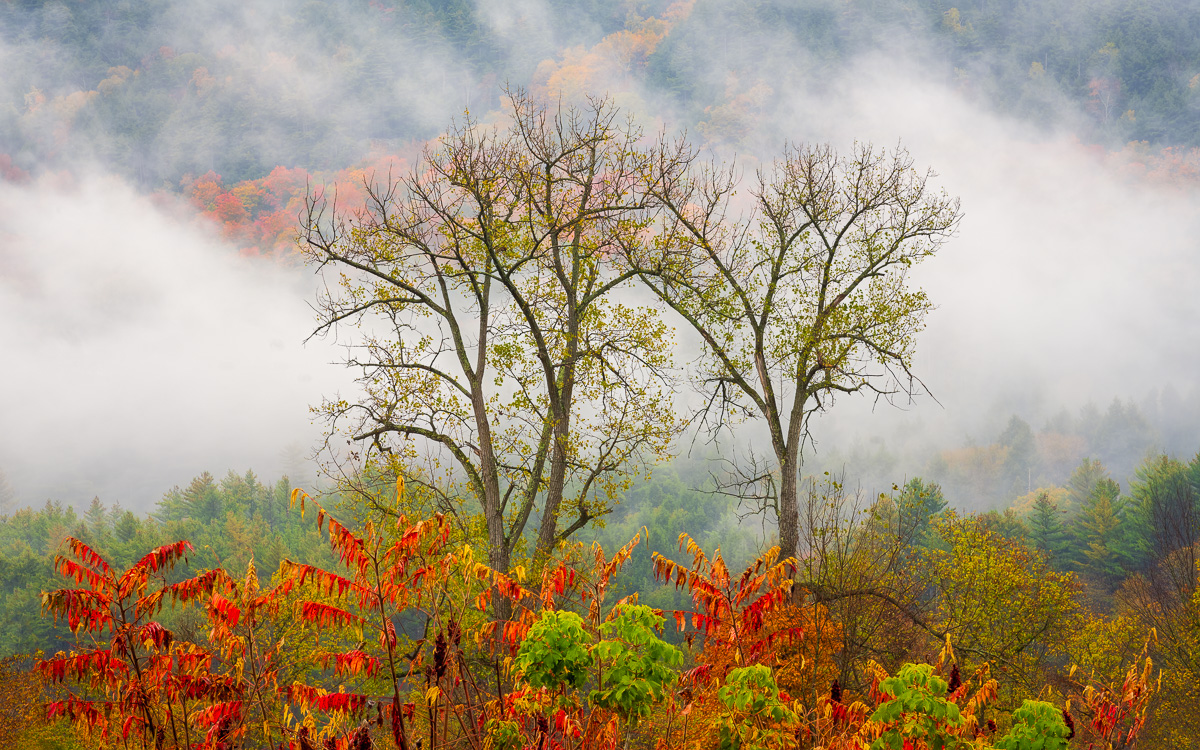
point(493, 514)
point(499, 557)
point(789, 511)
point(548, 532)
point(499, 554)
point(561, 414)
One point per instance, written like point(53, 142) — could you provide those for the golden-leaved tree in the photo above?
point(803, 295)
point(480, 295)
point(1000, 601)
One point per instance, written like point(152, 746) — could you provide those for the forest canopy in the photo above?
point(143, 89)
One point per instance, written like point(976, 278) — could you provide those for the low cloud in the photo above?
point(141, 351)
point(1068, 281)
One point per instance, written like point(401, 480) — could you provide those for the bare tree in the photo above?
point(479, 293)
point(805, 296)
point(1165, 596)
point(856, 559)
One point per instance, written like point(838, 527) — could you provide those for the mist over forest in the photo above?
point(240, 243)
point(153, 304)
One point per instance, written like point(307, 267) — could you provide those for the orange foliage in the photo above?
point(732, 613)
point(1176, 167)
point(804, 666)
point(204, 191)
point(140, 684)
point(1118, 712)
point(10, 172)
point(615, 57)
point(388, 574)
point(142, 687)
point(747, 620)
point(261, 216)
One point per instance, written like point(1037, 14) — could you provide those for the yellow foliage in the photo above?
point(1175, 721)
point(1103, 648)
point(22, 712)
point(1000, 601)
point(953, 20)
point(1060, 496)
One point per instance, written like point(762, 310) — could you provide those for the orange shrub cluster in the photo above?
point(449, 653)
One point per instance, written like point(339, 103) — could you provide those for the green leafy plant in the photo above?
point(554, 654)
point(638, 666)
point(756, 717)
point(1037, 725)
point(502, 734)
point(918, 710)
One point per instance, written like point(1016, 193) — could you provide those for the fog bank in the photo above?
point(140, 351)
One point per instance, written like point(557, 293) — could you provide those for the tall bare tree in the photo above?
point(479, 291)
point(805, 295)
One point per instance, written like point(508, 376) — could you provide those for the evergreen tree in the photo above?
point(1047, 533)
point(240, 493)
point(204, 499)
point(1018, 438)
point(1083, 481)
point(918, 504)
point(1122, 437)
point(1005, 524)
point(297, 467)
point(96, 519)
point(1105, 547)
point(126, 526)
point(200, 501)
point(1166, 507)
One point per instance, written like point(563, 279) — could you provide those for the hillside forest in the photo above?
point(601, 297)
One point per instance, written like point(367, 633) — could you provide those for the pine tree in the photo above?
point(1083, 481)
point(1166, 508)
point(1103, 537)
point(1046, 531)
point(97, 521)
point(126, 526)
point(918, 504)
point(1021, 456)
